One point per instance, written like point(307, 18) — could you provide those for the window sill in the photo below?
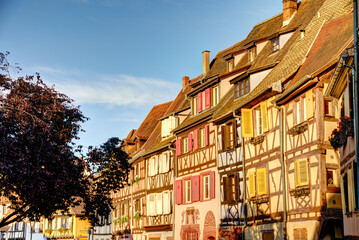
point(298, 129)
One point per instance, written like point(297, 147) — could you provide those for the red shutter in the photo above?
point(199, 102)
point(207, 98)
point(178, 147)
point(212, 185)
point(189, 142)
point(206, 135)
point(178, 191)
point(195, 188)
point(195, 135)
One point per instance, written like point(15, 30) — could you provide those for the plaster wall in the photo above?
point(256, 78)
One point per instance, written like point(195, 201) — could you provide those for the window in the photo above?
point(215, 95)
point(202, 138)
point(167, 125)
point(230, 64)
point(152, 166)
point(332, 179)
point(328, 107)
point(194, 106)
point(268, 235)
point(137, 170)
point(301, 172)
point(164, 162)
point(137, 145)
point(137, 206)
point(257, 179)
point(300, 234)
point(252, 53)
point(349, 189)
point(241, 88)
point(258, 117)
point(275, 45)
point(229, 135)
point(231, 191)
point(187, 191)
point(185, 145)
point(206, 187)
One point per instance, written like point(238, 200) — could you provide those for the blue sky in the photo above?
point(118, 58)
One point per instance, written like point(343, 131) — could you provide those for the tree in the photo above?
point(39, 172)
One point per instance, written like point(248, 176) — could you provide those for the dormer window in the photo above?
point(230, 63)
point(241, 88)
point(252, 53)
point(205, 100)
point(167, 125)
point(215, 95)
point(275, 44)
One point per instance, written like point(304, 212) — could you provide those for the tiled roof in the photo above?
point(332, 40)
point(293, 59)
point(130, 134)
point(190, 120)
point(150, 122)
point(155, 140)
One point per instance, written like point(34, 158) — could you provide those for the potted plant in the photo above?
point(123, 219)
point(339, 136)
point(48, 230)
point(137, 179)
point(138, 215)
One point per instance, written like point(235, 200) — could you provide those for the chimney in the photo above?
point(185, 81)
point(205, 55)
point(289, 8)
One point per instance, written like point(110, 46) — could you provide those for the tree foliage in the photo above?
point(39, 172)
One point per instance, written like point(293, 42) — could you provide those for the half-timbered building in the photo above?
point(130, 202)
point(267, 137)
point(340, 89)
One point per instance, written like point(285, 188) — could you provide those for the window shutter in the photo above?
point(262, 181)
point(309, 104)
point(59, 223)
point(195, 188)
point(199, 102)
point(228, 137)
point(189, 142)
point(163, 128)
point(236, 188)
point(251, 184)
point(167, 159)
point(235, 138)
point(224, 136)
point(303, 172)
point(159, 204)
point(160, 163)
point(178, 191)
point(212, 185)
point(178, 147)
point(225, 189)
point(195, 140)
point(166, 202)
point(172, 122)
point(264, 112)
point(208, 98)
point(206, 135)
point(155, 165)
point(247, 122)
point(296, 170)
point(343, 190)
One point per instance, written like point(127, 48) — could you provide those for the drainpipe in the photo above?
point(244, 181)
point(173, 192)
point(284, 183)
point(355, 92)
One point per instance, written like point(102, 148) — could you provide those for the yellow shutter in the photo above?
point(264, 113)
point(296, 172)
point(251, 184)
point(309, 104)
point(342, 194)
point(302, 172)
point(247, 123)
point(262, 181)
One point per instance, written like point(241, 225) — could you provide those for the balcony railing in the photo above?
point(159, 220)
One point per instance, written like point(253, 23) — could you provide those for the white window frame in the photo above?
point(185, 145)
point(215, 95)
point(202, 136)
point(194, 106)
point(259, 123)
point(188, 197)
point(206, 187)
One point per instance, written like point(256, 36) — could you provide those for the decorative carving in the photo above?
point(298, 129)
point(300, 191)
point(257, 140)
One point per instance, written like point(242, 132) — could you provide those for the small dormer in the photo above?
point(167, 125)
point(205, 98)
point(252, 51)
point(275, 44)
point(230, 62)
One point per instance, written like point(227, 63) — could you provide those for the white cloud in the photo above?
point(110, 90)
